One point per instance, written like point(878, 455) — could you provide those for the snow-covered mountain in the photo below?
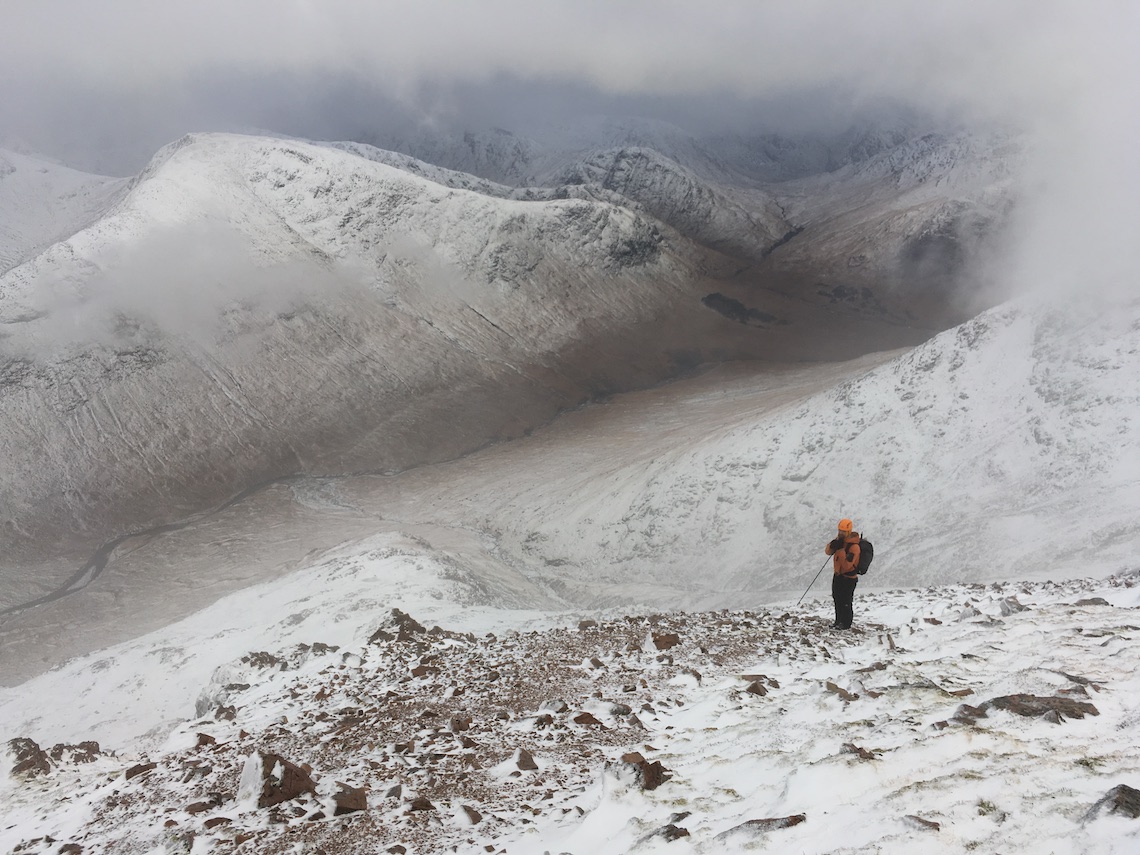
point(252, 308)
point(1007, 447)
point(42, 202)
point(674, 195)
point(879, 219)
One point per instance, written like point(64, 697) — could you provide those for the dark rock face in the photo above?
point(1121, 800)
point(399, 627)
point(1055, 710)
point(139, 769)
point(650, 776)
point(756, 827)
point(29, 760)
point(666, 640)
point(349, 799)
point(84, 752)
point(525, 761)
point(282, 781)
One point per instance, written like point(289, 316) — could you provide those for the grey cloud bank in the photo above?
point(102, 86)
point(67, 64)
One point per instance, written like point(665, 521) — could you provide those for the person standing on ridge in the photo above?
point(844, 551)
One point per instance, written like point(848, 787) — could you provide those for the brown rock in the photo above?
point(755, 827)
point(586, 624)
point(666, 640)
point(224, 713)
point(28, 759)
point(843, 693)
point(473, 814)
point(399, 627)
point(861, 753)
point(70, 849)
point(919, 822)
point(1121, 800)
point(281, 781)
point(215, 821)
point(84, 752)
point(587, 719)
point(650, 776)
point(420, 803)
point(205, 739)
point(199, 807)
point(525, 761)
point(349, 799)
point(756, 688)
point(1032, 706)
point(138, 769)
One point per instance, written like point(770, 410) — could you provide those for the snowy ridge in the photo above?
point(289, 261)
point(43, 202)
point(676, 196)
point(957, 718)
point(1014, 430)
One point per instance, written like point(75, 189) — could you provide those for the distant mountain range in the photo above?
point(248, 308)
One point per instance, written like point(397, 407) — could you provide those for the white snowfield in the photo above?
point(43, 202)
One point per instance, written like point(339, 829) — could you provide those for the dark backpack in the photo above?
point(866, 554)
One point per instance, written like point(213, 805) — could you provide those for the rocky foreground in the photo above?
point(957, 719)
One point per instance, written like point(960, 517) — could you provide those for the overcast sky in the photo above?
point(105, 82)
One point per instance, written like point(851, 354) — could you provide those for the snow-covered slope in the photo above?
point(907, 230)
point(254, 308)
point(42, 202)
point(677, 196)
point(1010, 444)
point(1006, 448)
point(956, 719)
point(883, 220)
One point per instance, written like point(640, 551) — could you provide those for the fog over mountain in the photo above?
point(575, 327)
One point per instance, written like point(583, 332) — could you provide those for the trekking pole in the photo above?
point(801, 599)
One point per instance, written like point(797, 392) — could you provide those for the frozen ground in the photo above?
point(954, 719)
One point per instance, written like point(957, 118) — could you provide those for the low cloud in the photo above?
point(104, 85)
point(195, 283)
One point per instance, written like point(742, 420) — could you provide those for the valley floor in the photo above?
point(156, 578)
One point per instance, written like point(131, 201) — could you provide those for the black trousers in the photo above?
point(843, 592)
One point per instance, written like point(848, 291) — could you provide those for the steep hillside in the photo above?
point(881, 220)
point(254, 308)
point(42, 202)
point(1009, 443)
point(674, 195)
point(908, 231)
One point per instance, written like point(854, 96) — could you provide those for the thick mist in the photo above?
point(103, 88)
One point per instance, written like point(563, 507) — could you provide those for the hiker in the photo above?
point(844, 551)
